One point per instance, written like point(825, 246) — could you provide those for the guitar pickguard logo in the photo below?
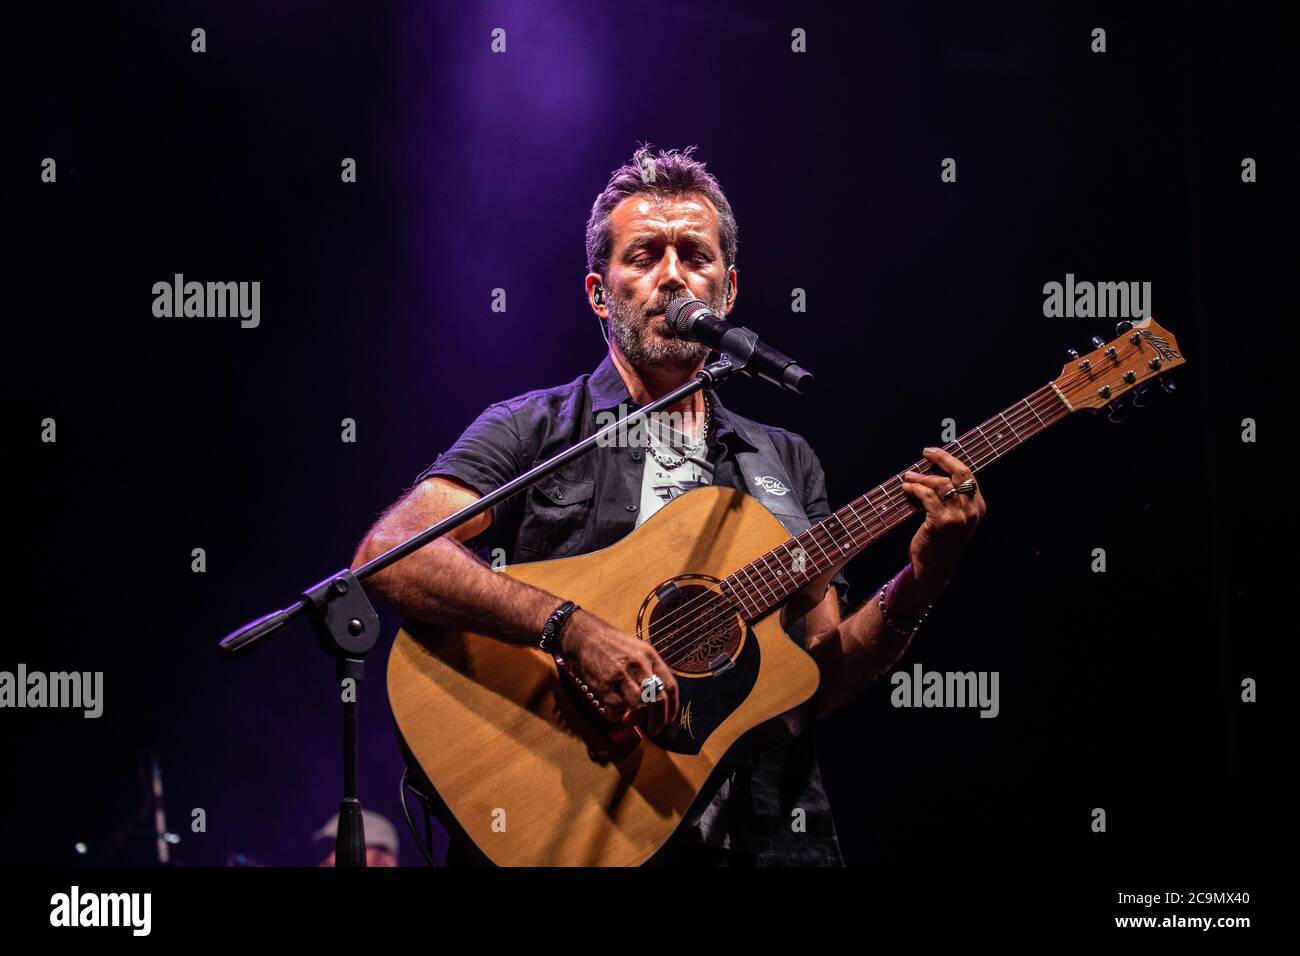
point(771, 485)
point(684, 721)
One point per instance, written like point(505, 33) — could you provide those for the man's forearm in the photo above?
point(446, 584)
point(864, 645)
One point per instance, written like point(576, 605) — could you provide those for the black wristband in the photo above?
point(550, 641)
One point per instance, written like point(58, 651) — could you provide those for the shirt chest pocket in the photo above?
point(557, 517)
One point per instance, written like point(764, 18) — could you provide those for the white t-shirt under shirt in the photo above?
point(689, 467)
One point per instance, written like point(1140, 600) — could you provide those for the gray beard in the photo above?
point(647, 348)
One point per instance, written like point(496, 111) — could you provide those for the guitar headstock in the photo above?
point(1139, 353)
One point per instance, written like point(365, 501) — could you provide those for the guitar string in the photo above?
point(749, 591)
point(896, 507)
point(719, 614)
point(722, 614)
point(728, 613)
point(1076, 379)
point(715, 599)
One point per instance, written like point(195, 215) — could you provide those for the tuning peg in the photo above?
point(1113, 412)
point(1122, 327)
point(1097, 342)
point(1139, 396)
point(1167, 384)
point(1073, 353)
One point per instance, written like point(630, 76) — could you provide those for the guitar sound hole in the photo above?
point(688, 623)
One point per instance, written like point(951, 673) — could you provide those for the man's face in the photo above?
point(663, 248)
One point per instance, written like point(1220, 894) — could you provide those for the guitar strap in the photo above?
point(766, 479)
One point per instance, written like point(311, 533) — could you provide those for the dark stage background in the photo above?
point(476, 171)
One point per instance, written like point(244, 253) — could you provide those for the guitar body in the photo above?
point(507, 738)
point(515, 753)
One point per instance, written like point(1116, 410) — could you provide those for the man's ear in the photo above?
point(731, 290)
point(597, 295)
point(597, 298)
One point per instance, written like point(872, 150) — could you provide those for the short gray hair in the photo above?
point(675, 173)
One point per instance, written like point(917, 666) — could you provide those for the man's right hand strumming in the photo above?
point(615, 665)
point(447, 585)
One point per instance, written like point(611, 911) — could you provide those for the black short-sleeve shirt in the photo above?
point(591, 503)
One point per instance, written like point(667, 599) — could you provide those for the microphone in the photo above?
point(692, 319)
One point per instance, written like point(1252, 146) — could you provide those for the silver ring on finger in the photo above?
point(967, 487)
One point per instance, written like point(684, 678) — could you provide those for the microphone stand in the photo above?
point(347, 625)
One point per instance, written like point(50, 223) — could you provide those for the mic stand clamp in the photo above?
point(347, 626)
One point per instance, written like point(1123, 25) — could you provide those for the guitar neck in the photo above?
point(770, 580)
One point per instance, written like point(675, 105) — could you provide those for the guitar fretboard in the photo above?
point(768, 581)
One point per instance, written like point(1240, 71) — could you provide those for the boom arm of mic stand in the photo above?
point(255, 632)
point(348, 626)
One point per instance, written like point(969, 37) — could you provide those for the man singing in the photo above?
point(661, 229)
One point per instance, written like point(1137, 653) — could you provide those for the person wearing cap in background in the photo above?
point(381, 839)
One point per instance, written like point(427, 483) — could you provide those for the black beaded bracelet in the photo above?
point(550, 641)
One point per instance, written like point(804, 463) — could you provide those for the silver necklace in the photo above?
point(670, 461)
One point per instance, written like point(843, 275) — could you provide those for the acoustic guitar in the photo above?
point(508, 740)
